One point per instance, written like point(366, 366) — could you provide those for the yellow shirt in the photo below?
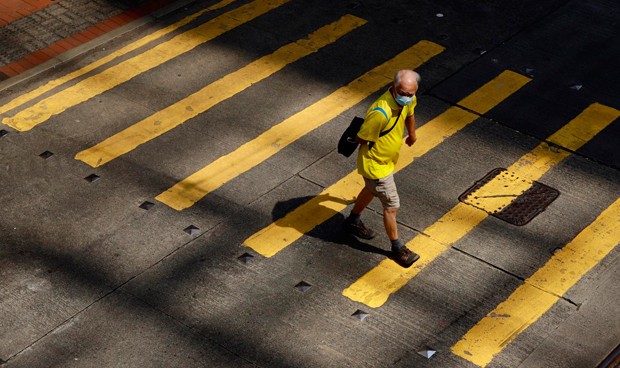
point(379, 161)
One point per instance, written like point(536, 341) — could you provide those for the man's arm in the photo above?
point(410, 125)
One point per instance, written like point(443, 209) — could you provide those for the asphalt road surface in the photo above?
point(173, 196)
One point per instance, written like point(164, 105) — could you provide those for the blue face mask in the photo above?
point(403, 100)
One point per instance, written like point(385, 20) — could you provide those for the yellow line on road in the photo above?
point(334, 199)
point(190, 190)
point(542, 290)
point(216, 92)
point(128, 69)
point(375, 287)
point(27, 97)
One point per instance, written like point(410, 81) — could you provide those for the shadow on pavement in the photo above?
point(330, 230)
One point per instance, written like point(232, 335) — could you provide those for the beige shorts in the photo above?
point(385, 190)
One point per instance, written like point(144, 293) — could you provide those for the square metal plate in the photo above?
point(506, 196)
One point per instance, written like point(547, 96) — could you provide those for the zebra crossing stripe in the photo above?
point(214, 93)
point(190, 190)
point(122, 72)
point(375, 287)
point(542, 290)
point(39, 91)
point(334, 199)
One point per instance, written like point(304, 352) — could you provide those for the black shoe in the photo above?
point(405, 257)
point(358, 229)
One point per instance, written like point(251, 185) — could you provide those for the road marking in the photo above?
point(334, 199)
point(375, 287)
point(542, 290)
point(128, 69)
point(214, 93)
point(190, 190)
point(27, 97)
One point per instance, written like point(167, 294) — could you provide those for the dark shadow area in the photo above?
point(331, 230)
point(80, 284)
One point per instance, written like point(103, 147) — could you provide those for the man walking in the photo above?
point(380, 139)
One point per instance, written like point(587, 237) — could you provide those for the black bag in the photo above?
point(347, 143)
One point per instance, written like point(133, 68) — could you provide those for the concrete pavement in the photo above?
point(99, 270)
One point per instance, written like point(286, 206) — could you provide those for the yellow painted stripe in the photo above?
point(126, 70)
point(541, 291)
point(579, 131)
point(565, 268)
point(27, 97)
point(479, 350)
point(190, 190)
point(375, 287)
point(226, 87)
point(576, 133)
point(332, 200)
point(500, 192)
point(283, 232)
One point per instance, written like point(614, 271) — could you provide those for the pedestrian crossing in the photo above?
point(542, 290)
point(222, 89)
point(332, 200)
point(122, 72)
point(375, 287)
point(39, 91)
point(190, 190)
point(484, 340)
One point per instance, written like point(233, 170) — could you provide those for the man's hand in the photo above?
point(411, 140)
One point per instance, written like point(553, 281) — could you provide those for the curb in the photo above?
point(82, 49)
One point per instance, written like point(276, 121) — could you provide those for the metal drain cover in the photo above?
point(506, 196)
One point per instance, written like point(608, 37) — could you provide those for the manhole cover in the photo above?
point(506, 196)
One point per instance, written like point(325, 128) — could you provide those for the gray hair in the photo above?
point(399, 75)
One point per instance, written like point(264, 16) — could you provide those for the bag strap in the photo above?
point(396, 122)
point(371, 144)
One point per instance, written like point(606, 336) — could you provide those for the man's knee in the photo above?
point(390, 211)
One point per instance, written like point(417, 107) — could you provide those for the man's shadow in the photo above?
point(331, 230)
